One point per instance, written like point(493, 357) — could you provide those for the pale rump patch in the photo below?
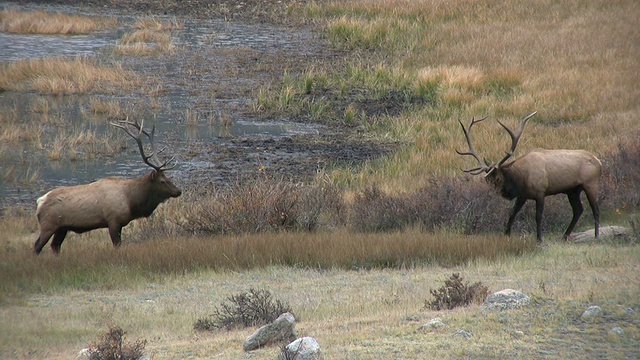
point(41, 201)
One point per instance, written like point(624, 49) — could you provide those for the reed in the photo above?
point(62, 76)
point(43, 22)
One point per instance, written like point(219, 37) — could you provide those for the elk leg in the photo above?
point(576, 205)
point(43, 239)
point(516, 208)
point(593, 202)
point(58, 238)
point(539, 211)
point(115, 231)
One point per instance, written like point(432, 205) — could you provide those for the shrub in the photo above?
point(263, 205)
point(455, 293)
point(256, 307)
point(112, 346)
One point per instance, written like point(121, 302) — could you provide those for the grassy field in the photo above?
point(356, 255)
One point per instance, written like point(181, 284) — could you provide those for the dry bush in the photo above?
point(262, 205)
point(619, 189)
point(466, 204)
point(255, 307)
point(456, 293)
point(113, 346)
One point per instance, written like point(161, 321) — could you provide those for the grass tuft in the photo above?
point(43, 22)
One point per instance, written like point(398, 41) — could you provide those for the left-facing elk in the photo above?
point(540, 173)
point(107, 203)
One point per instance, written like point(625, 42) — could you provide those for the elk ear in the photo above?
point(153, 175)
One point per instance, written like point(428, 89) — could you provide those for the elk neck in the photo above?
point(143, 199)
point(505, 180)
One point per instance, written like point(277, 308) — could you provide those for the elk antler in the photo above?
point(483, 167)
point(514, 137)
point(138, 138)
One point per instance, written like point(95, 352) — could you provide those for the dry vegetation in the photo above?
point(150, 36)
point(65, 76)
point(356, 254)
point(42, 22)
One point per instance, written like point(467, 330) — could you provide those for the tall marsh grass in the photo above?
point(43, 22)
point(57, 76)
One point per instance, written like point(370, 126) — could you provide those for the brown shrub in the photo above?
point(255, 307)
point(619, 189)
point(112, 346)
point(264, 204)
point(455, 293)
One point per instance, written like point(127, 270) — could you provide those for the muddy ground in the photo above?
point(239, 73)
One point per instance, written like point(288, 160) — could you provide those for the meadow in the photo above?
point(356, 251)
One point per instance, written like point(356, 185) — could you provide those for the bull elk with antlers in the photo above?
point(540, 173)
point(107, 203)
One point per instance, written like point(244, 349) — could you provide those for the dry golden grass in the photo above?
point(158, 25)
point(62, 76)
point(42, 22)
point(573, 62)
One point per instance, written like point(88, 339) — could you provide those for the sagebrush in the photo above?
point(456, 293)
point(255, 307)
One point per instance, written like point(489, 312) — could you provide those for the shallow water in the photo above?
point(202, 77)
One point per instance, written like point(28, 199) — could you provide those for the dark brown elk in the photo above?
point(107, 203)
point(540, 173)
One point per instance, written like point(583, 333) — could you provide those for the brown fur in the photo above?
point(107, 203)
point(540, 173)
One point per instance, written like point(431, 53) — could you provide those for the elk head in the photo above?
point(160, 182)
point(493, 173)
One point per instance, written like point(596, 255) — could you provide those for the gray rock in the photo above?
point(617, 331)
point(463, 334)
point(306, 348)
point(606, 232)
point(506, 299)
point(591, 313)
point(283, 328)
point(433, 324)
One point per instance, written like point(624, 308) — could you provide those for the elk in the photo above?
point(540, 173)
point(107, 203)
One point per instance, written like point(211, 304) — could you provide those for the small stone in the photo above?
point(463, 334)
point(591, 313)
point(433, 324)
point(617, 331)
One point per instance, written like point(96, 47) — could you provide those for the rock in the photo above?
point(306, 348)
point(605, 232)
point(463, 334)
point(617, 331)
point(506, 299)
point(591, 313)
point(283, 328)
point(433, 324)
point(83, 354)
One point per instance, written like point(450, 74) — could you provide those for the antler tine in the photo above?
point(472, 152)
point(514, 137)
point(138, 138)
